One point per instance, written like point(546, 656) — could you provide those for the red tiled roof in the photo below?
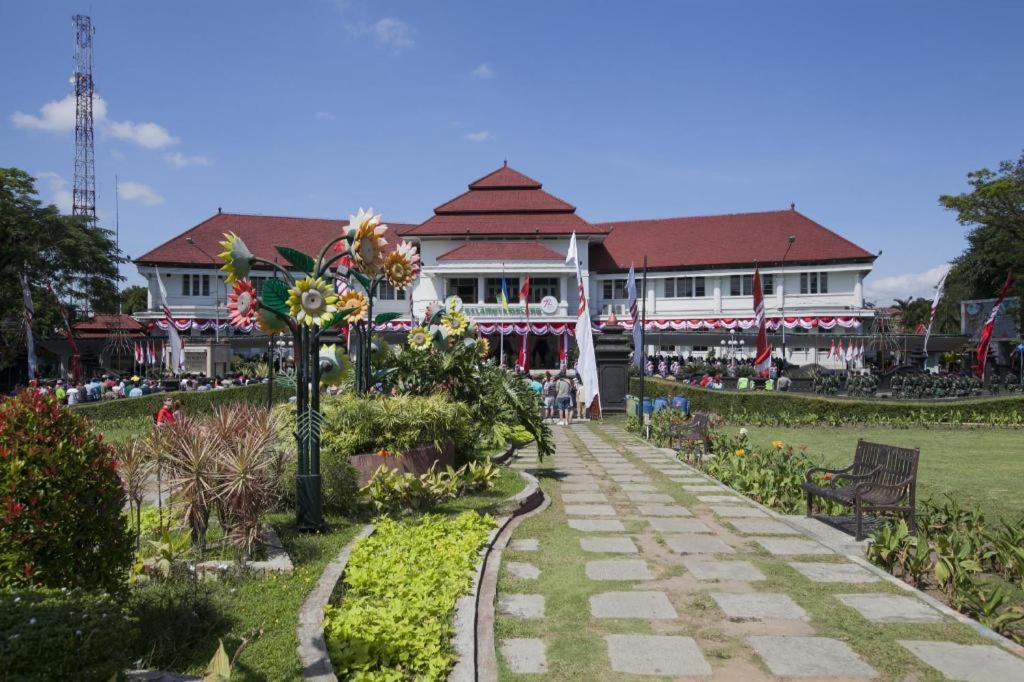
point(103, 325)
point(493, 250)
point(720, 240)
point(504, 202)
point(259, 232)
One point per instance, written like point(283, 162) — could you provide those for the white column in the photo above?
point(563, 289)
point(718, 294)
point(858, 290)
point(481, 288)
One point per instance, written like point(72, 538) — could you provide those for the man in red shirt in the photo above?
point(165, 415)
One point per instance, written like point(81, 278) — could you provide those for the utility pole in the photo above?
point(84, 192)
point(643, 344)
point(782, 308)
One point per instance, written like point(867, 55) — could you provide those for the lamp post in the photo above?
point(224, 286)
point(782, 308)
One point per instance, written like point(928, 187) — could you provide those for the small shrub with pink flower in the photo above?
point(61, 500)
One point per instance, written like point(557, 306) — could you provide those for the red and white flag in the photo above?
point(177, 356)
point(832, 349)
point(586, 364)
point(138, 353)
point(563, 352)
point(989, 327)
point(763, 359)
point(524, 296)
point(522, 362)
point(939, 288)
point(839, 350)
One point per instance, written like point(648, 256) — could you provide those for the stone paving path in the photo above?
point(643, 567)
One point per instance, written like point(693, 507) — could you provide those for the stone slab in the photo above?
point(609, 543)
point(791, 546)
point(520, 570)
point(762, 527)
point(619, 569)
point(525, 656)
point(638, 488)
point(597, 525)
point(575, 498)
point(629, 478)
point(738, 512)
point(664, 655)
point(663, 510)
point(810, 657)
point(834, 573)
point(973, 663)
point(702, 488)
point(646, 605)
point(759, 606)
point(580, 487)
point(525, 545)
point(675, 524)
point(890, 608)
point(705, 569)
point(651, 497)
point(521, 605)
point(721, 499)
point(697, 544)
point(589, 510)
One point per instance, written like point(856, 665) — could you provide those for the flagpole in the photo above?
point(643, 345)
point(501, 327)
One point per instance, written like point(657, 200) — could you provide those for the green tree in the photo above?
point(77, 259)
point(993, 210)
point(134, 299)
point(912, 312)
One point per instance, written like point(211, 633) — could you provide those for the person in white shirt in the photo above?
point(73, 396)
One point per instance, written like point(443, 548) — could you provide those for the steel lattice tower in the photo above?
point(84, 196)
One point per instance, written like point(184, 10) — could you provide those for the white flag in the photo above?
point(177, 361)
point(935, 306)
point(586, 365)
point(634, 313)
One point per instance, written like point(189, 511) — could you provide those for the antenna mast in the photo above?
point(84, 195)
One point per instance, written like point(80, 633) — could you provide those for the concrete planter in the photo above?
point(416, 461)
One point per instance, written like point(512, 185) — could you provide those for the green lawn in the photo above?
point(983, 466)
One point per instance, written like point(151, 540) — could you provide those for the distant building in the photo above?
point(699, 271)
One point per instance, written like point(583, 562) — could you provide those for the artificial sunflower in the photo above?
point(332, 364)
point(367, 232)
point(358, 302)
point(402, 265)
point(312, 301)
point(455, 323)
point(236, 256)
point(269, 322)
point(483, 347)
point(242, 303)
point(419, 338)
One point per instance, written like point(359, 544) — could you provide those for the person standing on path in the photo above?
point(563, 398)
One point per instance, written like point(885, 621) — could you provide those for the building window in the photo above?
point(386, 292)
point(195, 285)
point(463, 287)
point(615, 289)
point(813, 282)
point(684, 287)
point(741, 285)
point(541, 287)
point(492, 288)
point(767, 284)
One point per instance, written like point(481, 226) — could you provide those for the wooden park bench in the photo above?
point(882, 478)
point(693, 434)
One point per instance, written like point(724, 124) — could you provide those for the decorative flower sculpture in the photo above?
point(455, 323)
point(359, 303)
point(367, 234)
point(332, 364)
point(402, 265)
point(483, 347)
point(242, 303)
point(312, 301)
point(236, 256)
point(419, 338)
point(269, 323)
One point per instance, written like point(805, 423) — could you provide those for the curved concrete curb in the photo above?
point(505, 456)
point(312, 649)
point(475, 613)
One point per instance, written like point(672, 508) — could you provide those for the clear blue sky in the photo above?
point(860, 112)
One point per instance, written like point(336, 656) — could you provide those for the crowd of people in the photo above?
point(709, 372)
point(561, 396)
point(111, 387)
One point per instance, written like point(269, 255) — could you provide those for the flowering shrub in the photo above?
point(401, 584)
point(60, 500)
point(771, 476)
point(50, 634)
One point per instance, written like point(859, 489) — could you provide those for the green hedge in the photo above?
point(765, 408)
point(194, 402)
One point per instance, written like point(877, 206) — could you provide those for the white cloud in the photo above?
point(885, 289)
point(179, 160)
point(480, 136)
point(148, 135)
point(57, 190)
point(484, 71)
point(58, 115)
point(393, 33)
point(324, 116)
point(137, 191)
